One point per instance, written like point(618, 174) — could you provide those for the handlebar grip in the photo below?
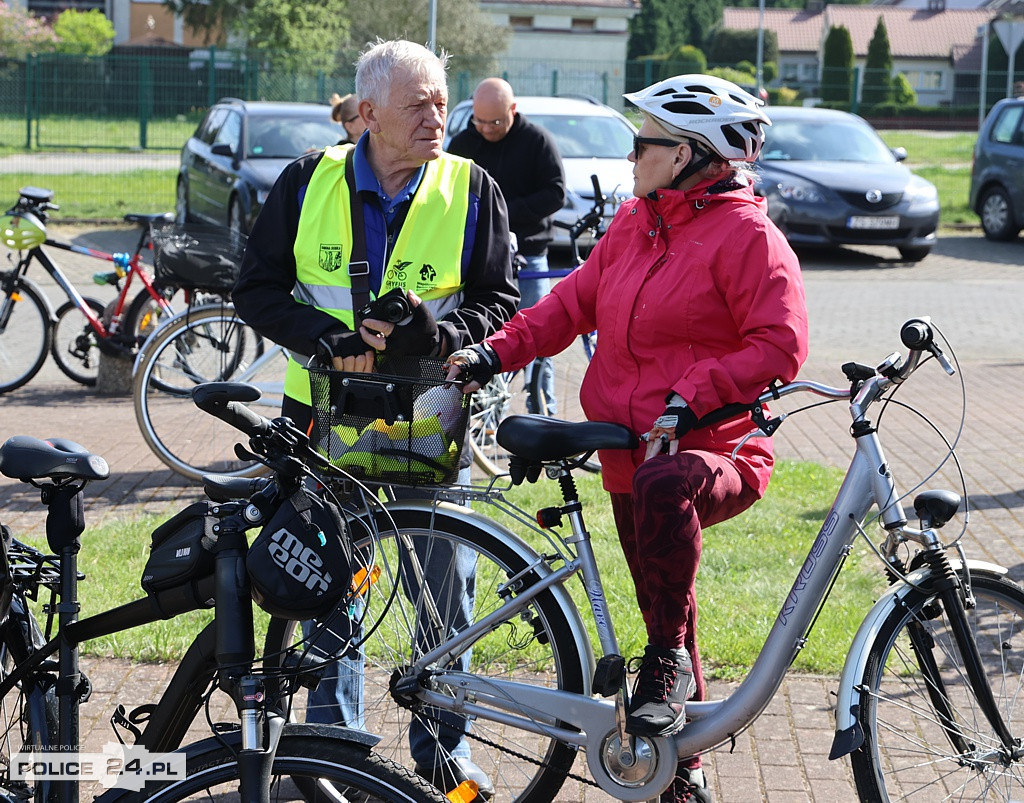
point(598, 197)
point(916, 334)
point(223, 400)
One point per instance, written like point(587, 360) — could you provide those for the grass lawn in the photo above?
point(747, 569)
point(97, 197)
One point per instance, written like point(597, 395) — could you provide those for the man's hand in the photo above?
point(669, 427)
point(346, 351)
point(417, 338)
point(477, 363)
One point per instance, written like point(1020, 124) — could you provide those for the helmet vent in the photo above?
point(733, 137)
point(687, 107)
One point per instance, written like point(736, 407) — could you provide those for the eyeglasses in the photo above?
point(639, 142)
point(493, 123)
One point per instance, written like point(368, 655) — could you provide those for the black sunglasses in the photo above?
point(639, 142)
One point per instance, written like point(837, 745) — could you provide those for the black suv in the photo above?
point(236, 154)
point(997, 173)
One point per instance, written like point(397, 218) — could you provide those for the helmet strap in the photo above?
point(693, 167)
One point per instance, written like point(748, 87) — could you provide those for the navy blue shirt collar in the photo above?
point(366, 181)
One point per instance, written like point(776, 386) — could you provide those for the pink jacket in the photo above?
point(694, 293)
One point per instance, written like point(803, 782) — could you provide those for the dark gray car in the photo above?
point(997, 173)
point(831, 180)
point(237, 152)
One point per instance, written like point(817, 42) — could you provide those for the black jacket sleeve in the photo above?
point(263, 292)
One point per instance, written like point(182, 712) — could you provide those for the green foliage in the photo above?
point(769, 71)
point(735, 75)
point(729, 45)
point(687, 59)
point(837, 66)
point(296, 35)
point(22, 34)
point(783, 96)
point(664, 24)
point(903, 93)
point(84, 33)
point(877, 87)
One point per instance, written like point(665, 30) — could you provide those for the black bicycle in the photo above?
point(198, 560)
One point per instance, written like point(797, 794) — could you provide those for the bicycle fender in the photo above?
point(849, 735)
point(526, 552)
point(51, 311)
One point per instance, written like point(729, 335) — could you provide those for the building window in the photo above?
point(52, 8)
point(809, 72)
point(582, 24)
point(789, 71)
point(521, 23)
point(925, 79)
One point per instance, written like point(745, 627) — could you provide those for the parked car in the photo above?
point(997, 171)
point(593, 139)
point(831, 180)
point(237, 152)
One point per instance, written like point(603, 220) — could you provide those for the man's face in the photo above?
point(492, 118)
point(411, 123)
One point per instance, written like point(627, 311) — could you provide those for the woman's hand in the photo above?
point(668, 428)
point(477, 364)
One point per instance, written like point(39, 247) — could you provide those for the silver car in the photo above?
point(593, 139)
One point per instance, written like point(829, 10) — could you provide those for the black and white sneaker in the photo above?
point(663, 685)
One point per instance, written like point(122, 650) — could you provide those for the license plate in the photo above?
point(865, 222)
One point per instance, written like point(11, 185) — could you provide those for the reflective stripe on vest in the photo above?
point(430, 265)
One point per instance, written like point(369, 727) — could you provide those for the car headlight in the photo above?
point(800, 191)
point(921, 192)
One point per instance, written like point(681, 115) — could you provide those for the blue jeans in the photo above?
point(531, 291)
point(450, 576)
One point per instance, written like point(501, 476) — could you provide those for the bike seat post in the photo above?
point(65, 522)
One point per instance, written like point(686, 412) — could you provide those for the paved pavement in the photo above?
point(857, 301)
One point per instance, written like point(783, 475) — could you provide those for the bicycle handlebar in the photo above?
point(224, 400)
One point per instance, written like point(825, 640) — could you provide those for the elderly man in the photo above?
point(393, 212)
point(523, 158)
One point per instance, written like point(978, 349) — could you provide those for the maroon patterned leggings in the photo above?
point(659, 526)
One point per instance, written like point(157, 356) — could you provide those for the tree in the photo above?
point(903, 92)
point(662, 25)
point(877, 87)
point(729, 46)
point(21, 34)
point(296, 35)
point(837, 66)
point(83, 33)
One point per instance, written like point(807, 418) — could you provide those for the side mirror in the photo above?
point(900, 153)
point(222, 149)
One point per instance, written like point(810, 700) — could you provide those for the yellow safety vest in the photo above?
point(427, 256)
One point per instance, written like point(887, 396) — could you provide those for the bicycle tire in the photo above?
point(907, 753)
point(561, 662)
point(204, 345)
point(487, 408)
point(145, 316)
point(591, 464)
point(25, 335)
point(311, 768)
point(75, 344)
point(28, 713)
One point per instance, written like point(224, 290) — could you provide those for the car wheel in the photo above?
point(997, 216)
point(915, 254)
point(236, 216)
point(181, 203)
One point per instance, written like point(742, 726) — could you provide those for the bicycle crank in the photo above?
point(635, 771)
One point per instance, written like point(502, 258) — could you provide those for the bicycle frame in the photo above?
point(590, 723)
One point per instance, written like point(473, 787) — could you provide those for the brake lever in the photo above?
point(938, 355)
point(766, 428)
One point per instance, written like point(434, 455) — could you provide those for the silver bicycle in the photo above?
point(930, 703)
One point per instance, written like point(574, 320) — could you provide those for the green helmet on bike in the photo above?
point(22, 231)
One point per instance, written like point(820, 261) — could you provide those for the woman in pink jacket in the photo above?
point(698, 302)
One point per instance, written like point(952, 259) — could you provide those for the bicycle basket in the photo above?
point(403, 424)
point(197, 257)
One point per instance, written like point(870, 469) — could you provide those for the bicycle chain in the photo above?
point(514, 753)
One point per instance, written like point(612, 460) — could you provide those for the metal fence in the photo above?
point(143, 105)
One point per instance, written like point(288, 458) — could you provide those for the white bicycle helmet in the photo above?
point(711, 110)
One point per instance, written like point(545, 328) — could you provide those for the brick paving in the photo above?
point(857, 301)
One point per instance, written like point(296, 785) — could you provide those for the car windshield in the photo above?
point(288, 137)
point(832, 141)
point(587, 137)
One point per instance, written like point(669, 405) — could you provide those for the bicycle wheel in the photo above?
point(24, 334)
point(537, 646)
point(306, 768)
point(911, 750)
point(145, 315)
point(487, 408)
point(28, 713)
point(568, 375)
point(205, 345)
point(75, 344)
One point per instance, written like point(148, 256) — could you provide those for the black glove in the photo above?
point(417, 338)
point(678, 418)
point(478, 363)
point(340, 343)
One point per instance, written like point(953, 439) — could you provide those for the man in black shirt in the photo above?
point(524, 160)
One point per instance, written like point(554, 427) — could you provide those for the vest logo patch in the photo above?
point(330, 257)
point(427, 273)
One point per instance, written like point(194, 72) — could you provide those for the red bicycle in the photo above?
point(81, 328)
